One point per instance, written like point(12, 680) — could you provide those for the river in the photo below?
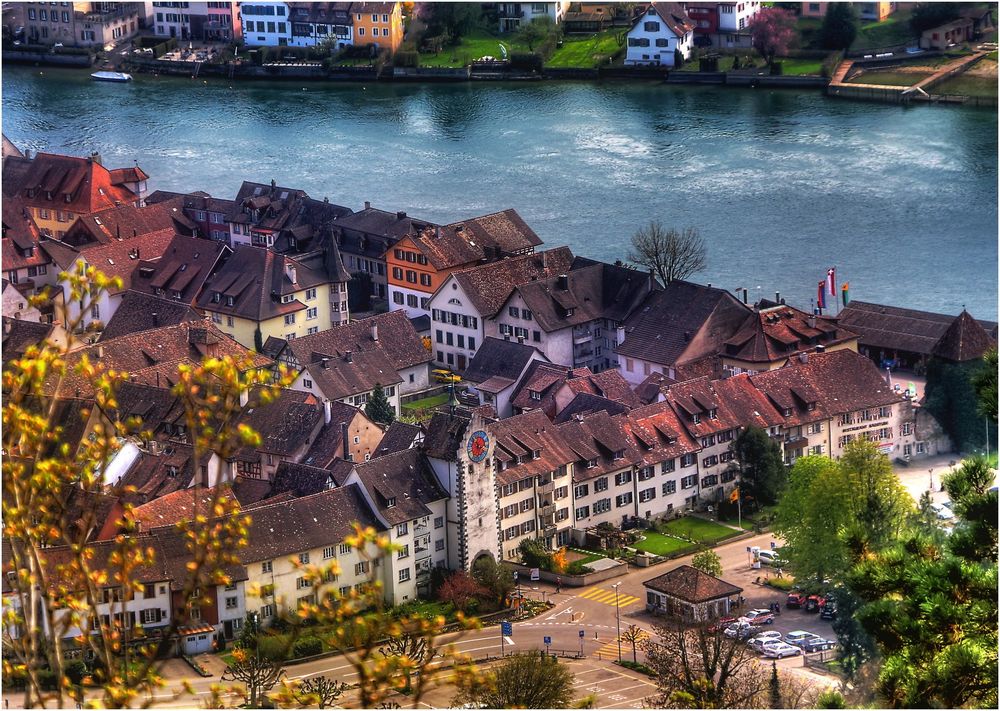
point(782, 184)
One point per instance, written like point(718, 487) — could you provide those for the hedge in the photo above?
point(527, 61)
point(307, 647)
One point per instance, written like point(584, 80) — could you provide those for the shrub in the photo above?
point(307, 647)
point(776, 69)
point(273, 647)
point(48, 680)
point(534, 555)
point(407, 59)
point(526, 61)
point(75, 671)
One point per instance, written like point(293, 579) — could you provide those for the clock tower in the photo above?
point(476, 496)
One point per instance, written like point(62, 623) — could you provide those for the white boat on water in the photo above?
point(111, 76)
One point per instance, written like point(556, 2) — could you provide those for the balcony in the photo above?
point(509, 12)
point(582, 337)
point(546, 510)
point(548, 520)
point(421, 529)
point(547, 488)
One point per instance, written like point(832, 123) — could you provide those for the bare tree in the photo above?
point(633, 635)
point(670, 254)
point(409, 646)
point(701, 668)
point(258, 673)
point(320, 691)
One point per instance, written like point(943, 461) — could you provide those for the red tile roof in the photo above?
point(775, 334)
point(57, 182)
point(692, 585)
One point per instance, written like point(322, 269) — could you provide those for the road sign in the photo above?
point(773, 545)
point(582, 634)
point(506, 629)
point(535, 575)
point(547, 640)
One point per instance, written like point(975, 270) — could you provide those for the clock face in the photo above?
point(478, 446)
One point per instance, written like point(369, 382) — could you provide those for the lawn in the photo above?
point(894, 30)
point(427, 402)
point(586, 51)
point(889, 78)
point(800, 67)
point(966, 85)
point(658, 544)
point(698, 529)
point(471, 47)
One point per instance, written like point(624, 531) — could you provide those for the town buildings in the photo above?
point(76, 24)
point(511, 15)
point(868, 11)
point(722, 24)
point(660, 35)
point(334, 25)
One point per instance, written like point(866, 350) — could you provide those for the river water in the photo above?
point(782, 184)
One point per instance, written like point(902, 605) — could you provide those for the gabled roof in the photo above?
point(57, 182)
point(341, 375)
point(18, 335)
point(774, 334)
point(674, 16)
point(401, 484)
point(683, 322)
point(597, 437)
point(286, 424)
point(174, 507)
point(126, 222)
point(590, 290)
point(301, 479)
point(193, 201)
point(121, 258)
point(182, 270)
point(964, 340)
point(142, 312)
point(390, 334)
point(692, 585)
point(156, 474)
point(656, 433)
point(489, 237)
point(256, 279)
point(398, 437)
point(446, 435)
point(329, 445)
point(9, 149)
point(20, 235)
point(896, 328)
point(585, 404)
point(301, 524)
point(504, 230)
point(608, 384)
point(543, 379)
point(523, 435)
point(497, 358)
point(489, 286)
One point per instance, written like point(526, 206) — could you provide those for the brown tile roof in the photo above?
point(775, 334)
point(157, 350)
point(397, 342)
point(598, 437)
point(171, 468)
point(273, 203)
point(328, 446)
point(895, 328)
point(404, 479)
point(250, 491)
point(446, 435)
point(684, 321)
point(522, 435)
point(837, 382)
point(691, 585)
point(142, 312)
point(286, 424)
point(122, 259)
point(78, 185)
point(126, 222)
point(256, 279)
point(489, 237)
point(18, 335)
point(649, 389)
point(964, 340)
point(592, 290)
point(504, 230)
point(397, 438)
point(296, 525)
point(585, 404)
point(301, 479)
point(173, 508)
point(608, 384)
point(341, 375)
point(193, 201)
point(656, 434)
point(544, 379)
point(699, 398)
point(674, 15)
point(489, 286)
point(497, 358)
point(128, 175)
point(182, 270)
point(20, 236)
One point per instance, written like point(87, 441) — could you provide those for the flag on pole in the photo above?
point(735, 496)
point(844, 293)
point(831, 281)
point(821, 296)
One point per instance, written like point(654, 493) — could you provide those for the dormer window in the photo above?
point(177, 295)
point(521, 458)
point(288, 298)
point(713, 414)
point(591, 463)
point(172, 471)
point(229, 301)
point(620, 454)
point(536, 454)
point(535, 395)
point(390, 502)
point(28, 252)
point(216, 297)
point(696, 418)
point(811, 406)
point(788, 412)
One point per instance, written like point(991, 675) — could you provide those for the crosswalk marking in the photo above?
point(607, 597)
point(611, 648)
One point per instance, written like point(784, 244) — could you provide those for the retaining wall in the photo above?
point(572, 581)
point(48, 58)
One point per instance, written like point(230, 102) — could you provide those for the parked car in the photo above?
point(829, 611)
point(759, 617)
point(813, 603)
point(798, 636)
point(781, 650)
point(795, 600)
point(942, 511)
point(721, 624)
point(758, 642)
point(445, 376)
point(740, 630)
point(817, 644)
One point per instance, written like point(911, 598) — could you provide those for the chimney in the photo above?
point(437, 232)
point(324, 363)
point(327, 412)
point(100, 352)
point(400, 215)
point(343, 436)
point(135, 232)
point(244, 395)
point(27, 154)
point(820, 348)
point(745, 296)
point(95, 157)
point(290, 273)
point(326, 200)
point(563, 282)
point(273, 184)
point(348, 357)
point(811, 321)
point(368, 205)
point(459, 229)
point(156, 318)
point(374, 330)
point(803, 357)
point(6, 326)
point(777, 297)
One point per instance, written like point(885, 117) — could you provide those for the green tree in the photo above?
point(855, 645)
point(454, 19)
point(708, 561)
point(534, 554)
point(831, 699)
point(926, 15)
point(535, 32)
point(762, 471)
point(974, 501)
point(530, 680)
point(378, 408)
point(775, 687)
point(840, 25)
point(954, 401)
point(932, 608)
point(985, 383)
point(495, 577)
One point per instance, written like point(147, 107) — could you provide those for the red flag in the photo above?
point(821, 295)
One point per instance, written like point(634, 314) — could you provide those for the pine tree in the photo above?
point(840, 26)
point(775, 687)
point(378, 407)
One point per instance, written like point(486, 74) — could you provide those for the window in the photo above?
point(689, 481)
point(148, 591)
point(601, 484)
point(289, 319)
point(662, 42)
point(602, 506)
point(646, 473)
point(361, 568)
point(669, 487)
point(344, 549)
point(150, 615)
point(687, 460)
point(647, 495)
point(230, 321)
point(328, 553)
point(361, 30)
point(307, 383)
point(667, 466)
point(402, 529)
point(311, 314)
point(439, 544)
point(710, 461)
point(710, 480)
point(651, 26)
point(267, 611)
point(302, 583)
point(403, 552)
point(513, 311)
point(623, 499)
point(907, 428)
point(623, 478)
point(581, 490)
point(439, 522)
point(265, 567)
point(232, 603)
point(304, 558)
point(583, 512)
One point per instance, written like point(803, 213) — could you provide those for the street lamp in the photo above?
point(618, 621)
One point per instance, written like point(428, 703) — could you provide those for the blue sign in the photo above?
point(773, 545)
point(506, 629)
point(548, 640)
point(582, 634)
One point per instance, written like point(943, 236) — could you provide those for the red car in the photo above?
point(814, 603)
point(721, 624)
point(795, 599)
